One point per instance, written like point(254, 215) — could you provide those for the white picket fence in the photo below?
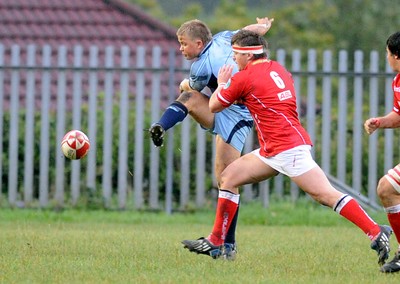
point(45, 91)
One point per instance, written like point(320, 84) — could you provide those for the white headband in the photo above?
point(256, 49)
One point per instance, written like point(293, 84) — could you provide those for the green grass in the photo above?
point(288, 243)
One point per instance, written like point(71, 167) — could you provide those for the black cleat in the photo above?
point(203, 246)
point(393, 265)
point(157, 134)
point(229, 252)
point(381, 244)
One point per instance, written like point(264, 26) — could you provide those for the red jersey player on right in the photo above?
point(267, 90)
point(389, 185)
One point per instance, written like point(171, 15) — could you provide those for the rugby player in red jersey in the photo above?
point(266, 88)
point(389, 185)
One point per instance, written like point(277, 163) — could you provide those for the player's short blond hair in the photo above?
point(195, 29)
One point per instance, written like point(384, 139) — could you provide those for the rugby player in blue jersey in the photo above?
point(230, 126)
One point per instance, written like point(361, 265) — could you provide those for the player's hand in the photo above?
point(184, 85)
point(224, 74)
point(371, 125)
point(265, 21)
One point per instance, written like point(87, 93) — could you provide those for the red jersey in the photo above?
point(396, 94)
point(267, 89)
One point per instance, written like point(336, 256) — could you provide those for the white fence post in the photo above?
point(357, 121)
point(139, 125)
point(311, 97)
point(45, 128)
point(108, 125)
point(1, 113)
point(169, 173)
point(373, 139)
point(155, 110)
point(76, 120)
point(326, 113)
point(60, 124)
point(342, 115)
point(29, 125)
point(92, 119)
point(14, 121)
point(123, 129)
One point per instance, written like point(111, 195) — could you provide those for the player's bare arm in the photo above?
point(391, 120)
point(224, 74)
point(262, 27)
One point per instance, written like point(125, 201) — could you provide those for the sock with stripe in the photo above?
point(393, 215)
point(175, 113)
point(352, 211)
point(227, 206)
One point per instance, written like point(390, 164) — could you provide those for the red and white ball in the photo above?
point(75, 145)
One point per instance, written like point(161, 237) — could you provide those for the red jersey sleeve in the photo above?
point(396, 94)
point(233, 89)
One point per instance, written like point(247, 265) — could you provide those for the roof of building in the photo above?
point(86, 23)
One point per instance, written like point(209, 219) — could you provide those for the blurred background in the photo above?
point(320, 24)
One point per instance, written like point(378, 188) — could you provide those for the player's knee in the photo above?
point(185, 97)
point(326, 195)
point(380, 189)
point(386, 187)
point(225, 181)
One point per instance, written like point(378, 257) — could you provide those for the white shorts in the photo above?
point(393, 176)
point(292, 162)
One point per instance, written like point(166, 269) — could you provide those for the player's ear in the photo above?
point(199, 43)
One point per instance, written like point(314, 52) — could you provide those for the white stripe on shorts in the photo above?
point(393, 177)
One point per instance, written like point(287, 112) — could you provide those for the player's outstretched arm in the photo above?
point(262, 27)
point(371, 124)
point(391, 120)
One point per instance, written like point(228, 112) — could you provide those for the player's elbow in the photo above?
point(215, 107)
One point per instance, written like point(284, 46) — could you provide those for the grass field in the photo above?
point(287, 243)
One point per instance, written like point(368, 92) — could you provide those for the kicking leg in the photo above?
point(193, 103)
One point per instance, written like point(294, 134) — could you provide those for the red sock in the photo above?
point(227, 206)
point(393, 214)
point(352, 211)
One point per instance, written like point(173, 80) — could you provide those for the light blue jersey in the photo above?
point(234, 123)
point(204, 70)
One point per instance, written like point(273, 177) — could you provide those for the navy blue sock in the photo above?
point(175, 113)
point(230, 236)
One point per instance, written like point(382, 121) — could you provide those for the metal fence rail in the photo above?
point(44, 93)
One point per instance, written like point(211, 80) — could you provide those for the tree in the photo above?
point(318, 24)
point(364, 24)
point(230, 15)
point(303, 26)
